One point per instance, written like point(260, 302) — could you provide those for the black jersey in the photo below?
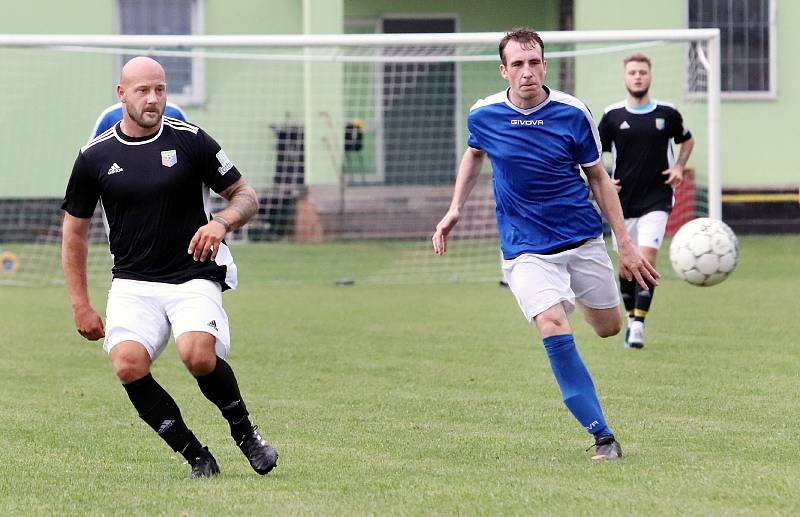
point(154, 194)
point(639, 140)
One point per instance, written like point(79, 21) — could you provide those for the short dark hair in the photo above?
point(638, 57)
point(527, 38)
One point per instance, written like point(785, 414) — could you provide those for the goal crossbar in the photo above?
point(346, 40)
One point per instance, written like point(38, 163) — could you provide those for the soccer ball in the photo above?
point(704, 251)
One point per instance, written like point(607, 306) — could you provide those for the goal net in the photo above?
point(348, 139)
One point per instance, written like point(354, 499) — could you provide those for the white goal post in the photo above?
point(346, 137)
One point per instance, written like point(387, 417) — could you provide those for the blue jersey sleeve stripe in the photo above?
point(102, 123)
point(590, 164)
point(176, 111)
point(572, 101)
point(497, 98)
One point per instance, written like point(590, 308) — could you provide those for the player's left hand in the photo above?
point(205, 242)
point(443, 229)
point(674, 175)
point(632, 265)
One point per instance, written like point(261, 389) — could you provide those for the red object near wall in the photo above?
point(684, 209)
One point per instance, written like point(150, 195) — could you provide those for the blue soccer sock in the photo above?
point(576, 384)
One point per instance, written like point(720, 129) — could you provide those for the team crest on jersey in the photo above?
point(659, 124)
point(169, 158)
point(225, 163)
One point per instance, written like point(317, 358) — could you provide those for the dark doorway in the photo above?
point(418, 107)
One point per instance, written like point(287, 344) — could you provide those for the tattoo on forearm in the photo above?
point(244, 203)
point(224, 222)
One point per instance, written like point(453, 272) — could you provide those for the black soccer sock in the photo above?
point(221, 388)
point(628, 290)
point(158, 409)
point(644, 297)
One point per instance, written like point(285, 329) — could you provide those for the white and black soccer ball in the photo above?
point(704, 251)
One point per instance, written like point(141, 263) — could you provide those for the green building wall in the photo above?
point(755, 134)
point(54, 98)
point(472, 15)
point(53, 101)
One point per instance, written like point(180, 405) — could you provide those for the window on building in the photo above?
point(747, 42)
point(157, 17)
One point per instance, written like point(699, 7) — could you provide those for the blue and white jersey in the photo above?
point(542, 200)
point(113, 114)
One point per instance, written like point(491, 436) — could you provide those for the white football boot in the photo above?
point(635, 335)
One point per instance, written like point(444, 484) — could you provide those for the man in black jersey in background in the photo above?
point(152, 176)
point(638, 132)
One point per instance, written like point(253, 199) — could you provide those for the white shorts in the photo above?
point(145, 312)
point(542, 281)
point(648, 230)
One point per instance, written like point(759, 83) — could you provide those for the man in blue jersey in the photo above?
point(538, 140)
point(639, 132)
point(113, 114)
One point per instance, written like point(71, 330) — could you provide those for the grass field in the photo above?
point(419, 399)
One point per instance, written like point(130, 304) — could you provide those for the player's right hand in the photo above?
point(205, 241)
point(443, 230)
point(617, 184)
point(88, 323)
point(674, 176)
point(633, 265)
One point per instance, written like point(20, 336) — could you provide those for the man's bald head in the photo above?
point(142, 90)
point(140, 67)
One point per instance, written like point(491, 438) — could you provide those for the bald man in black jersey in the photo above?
point(639, 132)
point(152, 176)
